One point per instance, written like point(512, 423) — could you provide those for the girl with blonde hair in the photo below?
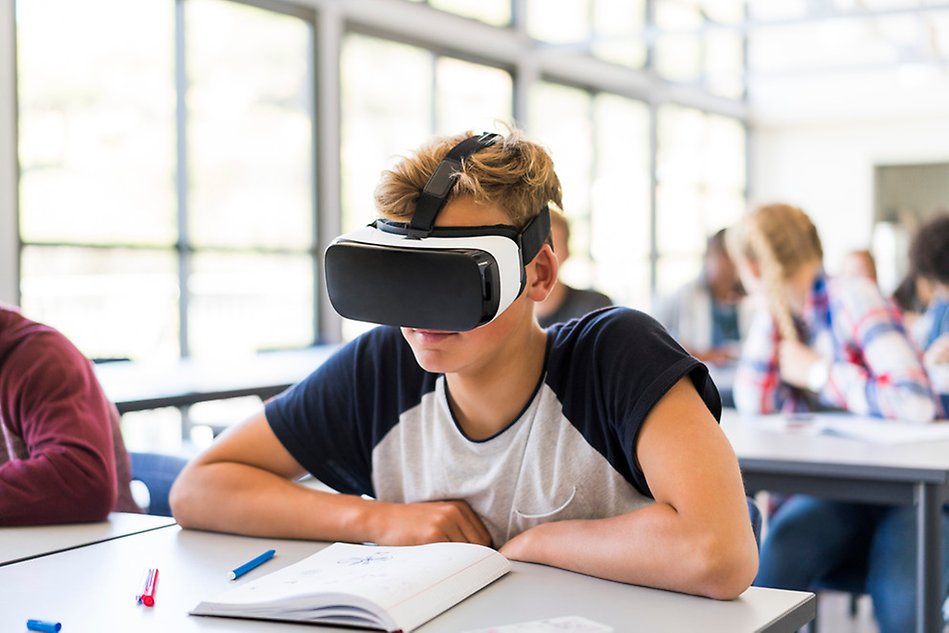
point(822, 343)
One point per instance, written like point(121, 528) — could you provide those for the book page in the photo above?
point(411, 584)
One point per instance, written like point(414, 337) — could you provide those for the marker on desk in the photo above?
point(147, 595)
point(251, 564)
point(42, 625)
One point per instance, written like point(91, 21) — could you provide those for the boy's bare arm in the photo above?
point(245, 483)
point(696, 538)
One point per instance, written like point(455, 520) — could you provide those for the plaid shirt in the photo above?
point(874, 368)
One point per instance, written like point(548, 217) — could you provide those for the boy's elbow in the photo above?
point(184, 502)
point(725, 570)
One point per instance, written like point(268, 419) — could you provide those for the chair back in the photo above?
point(755, 515)
point(157, 471)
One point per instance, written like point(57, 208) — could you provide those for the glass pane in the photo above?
point(571, 22)
point(249, 128)
point(627, 286)
point(387, 112)
point(241, 304)
point(724, 153)
point(620, 206)
point(561, 119)
point(619, 25)
point(680, 227)
point(471, 96)
point(497, 12)
point(679, 57)
point(112, 303)
point(724, 63)
point(96, 121)
point(673, 272)
point(681, 135)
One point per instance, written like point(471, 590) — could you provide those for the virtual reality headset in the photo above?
point(418, 275)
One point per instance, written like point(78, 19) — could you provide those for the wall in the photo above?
point(827, 168)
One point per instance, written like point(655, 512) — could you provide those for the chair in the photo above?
point(755, 514)
point(157, 472)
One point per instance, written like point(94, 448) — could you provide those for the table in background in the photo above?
point(851, 470)
point(102, 581)
point(22, 543)
point(135, 386)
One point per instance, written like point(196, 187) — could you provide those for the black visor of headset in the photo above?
point(418, 275)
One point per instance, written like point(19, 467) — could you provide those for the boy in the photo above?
point(592, 446)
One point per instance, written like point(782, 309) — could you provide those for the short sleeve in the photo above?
point(609, 370)
point(331, 421)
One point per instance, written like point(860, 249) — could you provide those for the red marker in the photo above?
point(147, 595)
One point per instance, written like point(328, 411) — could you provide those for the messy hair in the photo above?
point(929, 252)
point(780, 239)
point(514, 174)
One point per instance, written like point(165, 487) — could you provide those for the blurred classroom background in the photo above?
point(171, 170)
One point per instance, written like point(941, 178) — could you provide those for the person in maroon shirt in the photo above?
point(62, 459)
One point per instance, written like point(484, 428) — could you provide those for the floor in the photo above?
point(833, 614)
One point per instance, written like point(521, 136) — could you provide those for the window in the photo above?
point(600, 146)
point(609, 29)
point(701, 187)
point(143, 227)
point(698, 42)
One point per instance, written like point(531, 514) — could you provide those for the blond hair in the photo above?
point(779, 239)
point(516, 175)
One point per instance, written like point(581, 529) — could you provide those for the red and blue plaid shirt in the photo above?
point(874, 368)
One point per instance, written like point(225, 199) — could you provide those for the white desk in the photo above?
point(22, 543)
point(852, 470)
point(92, 589)
point(135, 386)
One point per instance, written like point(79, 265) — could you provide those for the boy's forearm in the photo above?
point(652, 546)
point(231, 497)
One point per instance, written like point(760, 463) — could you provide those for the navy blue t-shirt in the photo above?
point(370, 421)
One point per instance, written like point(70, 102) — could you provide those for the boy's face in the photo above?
point(451, 352)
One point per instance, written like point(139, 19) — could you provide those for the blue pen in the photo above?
point(40, 625)
point(251, 564)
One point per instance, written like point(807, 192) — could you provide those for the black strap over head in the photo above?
point(436, 190)
point(534, 235)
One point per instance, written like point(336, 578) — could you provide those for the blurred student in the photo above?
point(565, 302)
point(859, 263)
point(62, 459)
point(929, 257)
point(836, 343)
point(591, 446)
point(705, 315)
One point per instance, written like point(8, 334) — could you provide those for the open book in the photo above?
point(383, 588)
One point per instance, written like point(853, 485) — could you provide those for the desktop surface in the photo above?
point(193, 566)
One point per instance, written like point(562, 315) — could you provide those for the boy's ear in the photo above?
point(542, 274)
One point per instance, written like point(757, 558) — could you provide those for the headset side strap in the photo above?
point(534, 235)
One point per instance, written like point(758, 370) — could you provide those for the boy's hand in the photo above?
point(428, 522)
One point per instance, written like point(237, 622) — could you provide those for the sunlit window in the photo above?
point(114, 214)
point(698, 42)
point(496, 12)
point(612, 30)
point(701, 188)
point(600, 147)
